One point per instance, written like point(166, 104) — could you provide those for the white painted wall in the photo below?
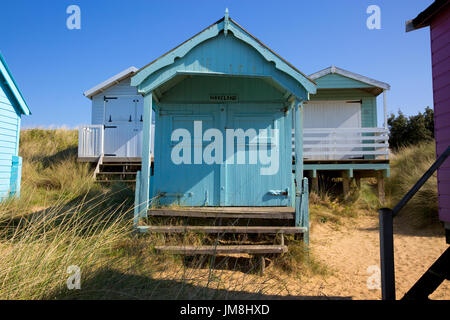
point(122, 137)
point(331, 114)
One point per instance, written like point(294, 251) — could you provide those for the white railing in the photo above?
point(318, 143)
point(91, 139)
point(345, 143)
point(122, 140)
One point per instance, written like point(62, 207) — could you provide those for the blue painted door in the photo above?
point(262, 180)
point(185, 184)
point(240, 183)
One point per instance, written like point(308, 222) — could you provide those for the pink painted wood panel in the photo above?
point(440, 56)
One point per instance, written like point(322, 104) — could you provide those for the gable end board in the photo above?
point(211, 32)
point(9, 80)
point(353, 80)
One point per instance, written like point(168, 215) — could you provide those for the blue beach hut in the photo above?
point(222, 79)
point(12, 107)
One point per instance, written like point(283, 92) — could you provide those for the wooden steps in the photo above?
point(229, 249)
point(266, 228)
point(223, 229)
point(287, 213)
point(113, 170)
point(112, 173)
point(115, 181)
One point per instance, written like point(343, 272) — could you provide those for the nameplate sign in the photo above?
point(223, 98)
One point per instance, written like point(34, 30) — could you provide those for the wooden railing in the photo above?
point(318, 143)
point(91, 139)
point(121, 140)
point(345, 143)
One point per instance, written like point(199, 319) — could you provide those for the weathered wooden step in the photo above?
point(113, 164)
point(225, 212)
point(117, 173)
point(212, 250)
point(223, 229)
point(125, 181)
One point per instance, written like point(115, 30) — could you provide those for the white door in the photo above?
point(331, 115)
point(123, 126)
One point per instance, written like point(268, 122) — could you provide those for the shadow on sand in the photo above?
point(111, 284)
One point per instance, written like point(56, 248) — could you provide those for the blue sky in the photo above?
point(53, 66)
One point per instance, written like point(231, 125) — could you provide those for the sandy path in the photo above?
point(352, 249)
point(347, 251)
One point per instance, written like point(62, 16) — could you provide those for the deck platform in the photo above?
point(109, 159)
point(226, 212)
point(230, 249)
point(223, 229)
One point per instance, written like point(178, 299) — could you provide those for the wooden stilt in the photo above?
point(345, 184)
point(262, 264)
point(380, 183)
point(315, 185)
point(358, 181)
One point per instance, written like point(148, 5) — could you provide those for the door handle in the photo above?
point(279, 192)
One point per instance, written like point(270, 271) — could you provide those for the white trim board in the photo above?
point(110, 82)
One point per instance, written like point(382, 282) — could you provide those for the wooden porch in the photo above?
point(346, 153)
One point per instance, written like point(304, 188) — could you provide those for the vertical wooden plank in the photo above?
point(380, 184)
point(315, 185)
point(16, 176)
point(345, 184)
point(223, 168)
point(137, 200)
point(387, 254)
point(298, 158)
point(305, 210)
point(298, 144)
point(385, 109)
point(358, 181)
point(262, 264)
point(146, 155)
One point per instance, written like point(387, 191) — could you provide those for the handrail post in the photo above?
point(304, 222)
point(387, 254)
point(102, 144)
point(137, 200)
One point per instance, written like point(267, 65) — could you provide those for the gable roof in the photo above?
point(4, 70)
point(110, 82)
point(225, 24)
point(351, 75)
point(424, 18)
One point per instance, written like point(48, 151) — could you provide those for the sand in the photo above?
point(350, 254)
point(350, 251)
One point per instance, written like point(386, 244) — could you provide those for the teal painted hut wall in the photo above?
point(333, 81)
point(9, 142)
point(259, 104)
point(223, 59)
point(12, 106)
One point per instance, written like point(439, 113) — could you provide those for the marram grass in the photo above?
point(63, 218)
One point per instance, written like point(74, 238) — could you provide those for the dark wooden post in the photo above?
point(387, 254)
point(315, 184)
point(380, 184)
point(358, 181)
point(432, 279)
point(345, 184)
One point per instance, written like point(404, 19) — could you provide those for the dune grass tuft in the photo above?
point(407, 166)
